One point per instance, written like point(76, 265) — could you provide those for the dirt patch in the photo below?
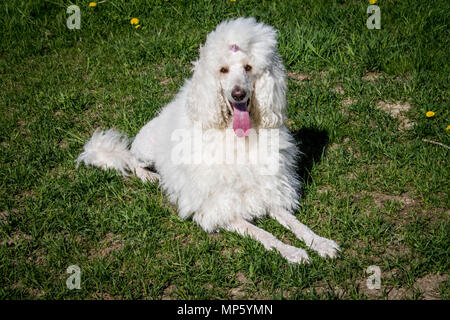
point(4, 217)
point(323, 74)
point(399, 294)
point(323, 288)
point(238, 292)
point(63, 145)
point(184, 239)
point(168, 293)
point(324, 189)
point(127, 98)
point(380, 198)
point(231, 251)
point(104, 296)
point(165, 81)
point(17, 285)
point(429, 285)
point(372, 76)
point(385, 291)
point(17, 237)
point(394, 109)
point(299, 76)
point(25, 194)
point(405, 202)
point(110, 243)
point(34, 292)
point(395, 250)
point(397, 110)
point(338, 89)
point(334, 146)
point(346, 103)
point(38, 257)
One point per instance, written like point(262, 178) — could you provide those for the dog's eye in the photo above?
point(248, 67)
point(224, 70)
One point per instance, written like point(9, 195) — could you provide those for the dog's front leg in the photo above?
point(324, 247)
point(292, 254)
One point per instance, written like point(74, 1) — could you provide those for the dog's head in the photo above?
point(239, 78)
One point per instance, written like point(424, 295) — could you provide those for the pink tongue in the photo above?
point(241, 120)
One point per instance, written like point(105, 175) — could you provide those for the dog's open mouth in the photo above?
point(241, 119)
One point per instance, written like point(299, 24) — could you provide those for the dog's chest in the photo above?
point(218, 158)
point(222, 149)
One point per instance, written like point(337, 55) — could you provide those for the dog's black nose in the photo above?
point(238, 94)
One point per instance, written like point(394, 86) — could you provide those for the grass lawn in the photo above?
point(376, 182)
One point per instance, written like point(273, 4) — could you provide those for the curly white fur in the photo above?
point(239, 54)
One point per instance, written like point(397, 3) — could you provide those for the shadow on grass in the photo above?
point(312, 143)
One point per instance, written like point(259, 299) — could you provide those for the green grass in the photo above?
point(379, 190)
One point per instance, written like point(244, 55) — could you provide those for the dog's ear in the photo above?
point(205, 102)
point(270, 95)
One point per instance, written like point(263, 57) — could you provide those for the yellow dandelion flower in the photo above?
point(448, 128)
point(134, 21)
point(372, 1)
point(430, 114)
point(92, 4)
point(138, 26)
point(233, 0)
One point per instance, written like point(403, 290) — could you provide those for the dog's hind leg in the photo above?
point(323, 246)
point(291, 253)
point(146, 175)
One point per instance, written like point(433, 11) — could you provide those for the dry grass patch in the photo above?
point(17, 237)
point(4, 217)
point(324, 189)
point(110, 243)
point(239, 291)
point(104, 296)
point(338, 89)
point(38, 257)
point(166, 81)
point(380, 198)
point(346, 103)
point(428, 286)
point(169, 292)
point(323, 288)
point(397, 110)
point(299, 76)
point(372, 76)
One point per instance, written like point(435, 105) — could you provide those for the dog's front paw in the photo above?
point(294, 254)
point(326, 248)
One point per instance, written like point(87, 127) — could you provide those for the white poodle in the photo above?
point(220, 149)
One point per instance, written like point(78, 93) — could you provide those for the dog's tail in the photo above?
point(109, 149)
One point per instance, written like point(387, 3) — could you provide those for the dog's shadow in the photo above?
point(312, 144)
